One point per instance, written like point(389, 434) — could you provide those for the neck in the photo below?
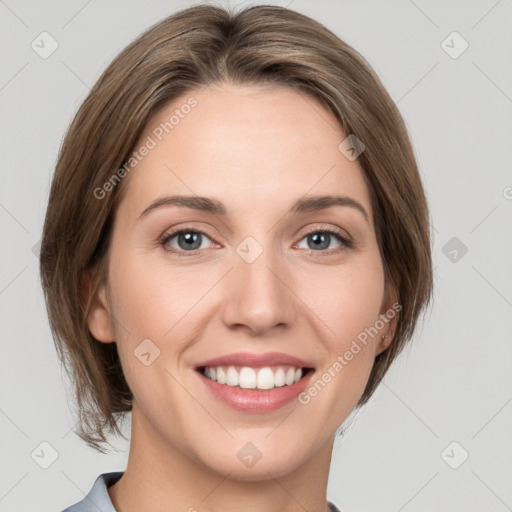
point(163, 477)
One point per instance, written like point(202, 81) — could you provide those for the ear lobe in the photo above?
point(98, 317)
point(390, 311)
point(385, 342)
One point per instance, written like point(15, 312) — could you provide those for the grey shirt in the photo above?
point(98, 500)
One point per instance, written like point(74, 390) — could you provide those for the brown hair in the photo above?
point(196, 47)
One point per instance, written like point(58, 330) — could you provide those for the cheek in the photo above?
point(347, 300)
point(349, 304)
point(151, 303)
point(149, 299)
point(152, 299)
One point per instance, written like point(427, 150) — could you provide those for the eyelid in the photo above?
point(176, 230)
point(345, 238)
point(329, 229)
point(187, 227)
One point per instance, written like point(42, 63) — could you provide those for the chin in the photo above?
point(254, 461)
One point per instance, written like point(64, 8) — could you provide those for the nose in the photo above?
point(258, 296)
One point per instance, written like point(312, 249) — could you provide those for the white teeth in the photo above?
point(265, 379)
point(247, 378)
point(279, 378)
point(221, 376)
point(254, 378)
point(232, 377)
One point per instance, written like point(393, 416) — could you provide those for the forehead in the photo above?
point(250, 146)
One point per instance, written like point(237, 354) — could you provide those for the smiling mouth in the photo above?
point(247, 377)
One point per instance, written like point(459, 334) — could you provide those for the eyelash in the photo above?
point(346, 242)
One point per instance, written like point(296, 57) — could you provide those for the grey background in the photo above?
point(454, 382)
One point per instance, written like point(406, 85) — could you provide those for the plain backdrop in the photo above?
point(437, 435)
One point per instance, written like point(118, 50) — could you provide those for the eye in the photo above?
point(319, 239)
point(191, 241)
point(184, 240)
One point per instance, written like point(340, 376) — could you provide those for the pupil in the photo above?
point(317, 240)
point(190, 239)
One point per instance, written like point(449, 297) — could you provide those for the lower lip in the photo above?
point(254, 400)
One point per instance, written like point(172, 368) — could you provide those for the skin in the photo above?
point(257, 150)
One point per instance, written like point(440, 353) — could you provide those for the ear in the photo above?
point(389, 312)
point(99, 319)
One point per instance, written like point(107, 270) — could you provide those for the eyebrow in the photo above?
point(303, 205)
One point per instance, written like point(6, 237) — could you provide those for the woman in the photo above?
point(236, 248)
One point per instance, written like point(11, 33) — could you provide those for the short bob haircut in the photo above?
point(193, 48)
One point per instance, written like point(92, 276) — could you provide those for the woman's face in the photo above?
point(254, 278)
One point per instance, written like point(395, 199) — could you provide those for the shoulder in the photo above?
point(97, 499)
point(332, 507)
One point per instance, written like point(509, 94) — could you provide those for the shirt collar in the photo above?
point(98, 499)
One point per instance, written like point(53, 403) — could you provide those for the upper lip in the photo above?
point(256, 360)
